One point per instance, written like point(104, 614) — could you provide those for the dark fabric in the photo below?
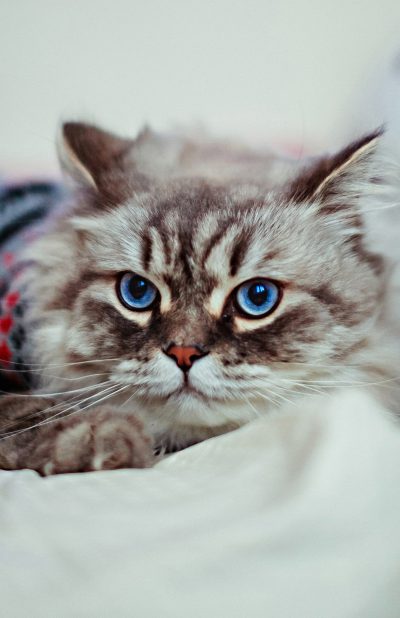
point(23, 213)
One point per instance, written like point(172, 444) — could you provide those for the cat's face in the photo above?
point(215, 302)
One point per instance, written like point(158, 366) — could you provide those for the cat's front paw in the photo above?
point(100, 440)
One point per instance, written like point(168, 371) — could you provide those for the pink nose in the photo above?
point(184, 356)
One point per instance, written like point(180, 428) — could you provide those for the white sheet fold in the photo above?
point(293, 515)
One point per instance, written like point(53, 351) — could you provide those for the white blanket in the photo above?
point(296, 515)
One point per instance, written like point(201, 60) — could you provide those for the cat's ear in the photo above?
point(338, 183)
point(89, 156)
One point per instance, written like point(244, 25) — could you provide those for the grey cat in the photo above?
point(188, 286)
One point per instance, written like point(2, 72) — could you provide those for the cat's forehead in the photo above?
point(217, 232)
point(205, 236)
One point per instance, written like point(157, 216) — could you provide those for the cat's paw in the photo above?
point(95, 439)
point(100, 440)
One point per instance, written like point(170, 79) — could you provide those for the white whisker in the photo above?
point(109, 390)
point(248, 402)
point(129, 399)
point(301, 385)
point(275, 394)
point(351, 383)
point(268, 398)
point(71, 364)
point(50, 408)
point(68, 392)
point(120, 390)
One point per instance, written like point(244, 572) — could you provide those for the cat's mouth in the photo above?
point(187, 389)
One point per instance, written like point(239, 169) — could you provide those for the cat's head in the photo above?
point(214, 300)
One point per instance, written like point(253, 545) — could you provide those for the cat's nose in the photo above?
point(185, 356)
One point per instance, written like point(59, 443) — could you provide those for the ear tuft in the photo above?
point(342, 175)
point(88, 154)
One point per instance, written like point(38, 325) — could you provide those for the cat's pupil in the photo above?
point(258, 294)
point(138, 287)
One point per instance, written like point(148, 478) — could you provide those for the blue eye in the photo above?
point(136, 292)
point(257, 298)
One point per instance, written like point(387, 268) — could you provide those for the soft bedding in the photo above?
point(296, 514)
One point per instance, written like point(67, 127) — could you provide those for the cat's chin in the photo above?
point(189, 417)
point(188, 392)
point(188, 402)
point(190, 406)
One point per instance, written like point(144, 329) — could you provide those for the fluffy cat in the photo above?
point(185, 287)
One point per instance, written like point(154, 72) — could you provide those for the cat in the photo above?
point(182, 287)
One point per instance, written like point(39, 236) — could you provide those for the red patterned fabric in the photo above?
point(23, 211)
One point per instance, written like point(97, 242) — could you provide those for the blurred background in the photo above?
point(301, 75)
